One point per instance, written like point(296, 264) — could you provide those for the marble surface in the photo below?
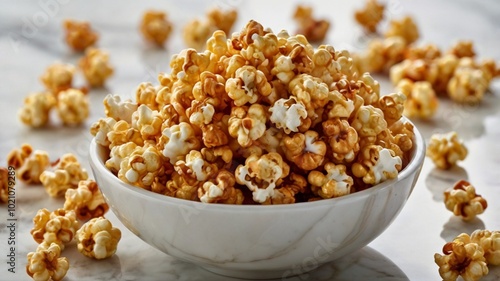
point(403, 252)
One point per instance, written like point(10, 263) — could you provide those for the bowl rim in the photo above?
point(415, 163)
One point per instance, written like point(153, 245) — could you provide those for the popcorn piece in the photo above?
point(446, 66)
point(306, 150)
point(445, 150)
point(178, 141)
point(155, 27)
point(68, 173)
point(405, 28)
point(247, 86)
point(463, 48)
point(376, 164)
point(247, 124)
point(148, 122)
point(467, 85)
point(310, 91)
point(72, 106)
point(288, 114)
point(86, 201)
point(117, 109)
point(196, 166)
point(262, 174)
point(196, 33)
point(100, 130)
point(392, 105)
point(342, 138)
point(30, 163)
point(46, 264)
point(490, 242)
point(425, 52)
point(415, 70)
point(370, 15)
point(463, 201)
point(368, 88)
point(314, 30)
point(382, 54)
point(79, 35)
point(291, 185)
point(122, 132)
point(57, 227)
point(221, 190)
point(421, 102)
point(58, 77)
point(4, 185)
point(18, 156)
point(183, 187)
point(118, 154)
point(462, 257)
point(146, 94)
point(369, 121)
point(142, 166)
point(200, 113)
point(36, 109)
point(98, 239)
point(222, 20)
point(95, 66)
point(335, 183)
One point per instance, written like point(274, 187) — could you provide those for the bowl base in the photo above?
point(251, 274)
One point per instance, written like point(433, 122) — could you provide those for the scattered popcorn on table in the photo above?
point(46, 264)
point(314, 30)
point(463, 201)
point(36, 109)
point(405, 28)
point(79, 35)
point(72, 106)
point(18, 156)
point(197, 32)
point(67, 174)
point(155, 27)
point(58, 77)
point(490, 242)
point(381, 54)
point(98, 239)
point(30, 163)
point(424, 52)
point(446, 150)
point(87, 200)
point(370, 15)
point(463, 48)
point(4, 185)
point(467, 85)
point(95, 67)
point(58, 227)
point(462, 257)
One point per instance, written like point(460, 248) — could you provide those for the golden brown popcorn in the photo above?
point(247, 124)
point(118, 154)
point(368, 88)
point(446, 150)
point(335, 183)
point(382, 54)
point(415, 70)
point(200, 113)
point(490, 242)
point(370, 15)
point(262, 174)
point(217, 43)
point(462, 48)
point(222, 20)
point(46, 264)
point(446, 66)
point(100, 130)
point(146, 94)
point(155, 27)
point(339, 105)
point(86, 201)
point(98, 239)
point(306, 150)
point(423, 52)
point(196, 167)
point(72, 107)
point(392, 105)
point(67, 174)
point(148, 122)
point(211, 90)
point(421, 100)
point(375, 164)
point(290, 187)
point(57, 227)
point(405, 28)
point(178, 140)
point(467, 85)
point(247, 86)
point(95, 67)
point(196, 33)
point(311, 91)
point(462, 257)
point(183, 187)
point(289, 115)
point(142, 166)
point(36, 109)
point(4, 185)
point(30, 163)
point(490, 69)
point(122, 132)
point(463, 201)
point(314, 30)
point(117, 109)
point(17, 156)
point(342, 139)
point(221, 189)
point(369, 121)
point(58, 77)
point(79, 35)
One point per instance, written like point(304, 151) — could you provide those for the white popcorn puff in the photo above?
point(386, 165)
point(204, 116)
point(147, 121)
point(376, 164)
point(180, 140)
point(118, 109)
point(286, 114)
point(199, 167)
point(336, 183)
point(100, 130)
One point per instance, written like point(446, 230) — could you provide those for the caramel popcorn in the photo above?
point(196, 32)
point(146, 94)
point(467, 85)
point(155, 27)
point(446, 150)
point(405, 28)
point(424, 52)
point(306, 150)
point(381, 54)
point(288, 114)
point(98, 238)
point(178, 141)
point(36, 109)
point(221, 190)
point(4, 185)
point(141, 167)
point(421, 100)
point(117, 109)
point(462, 257)
point(370, 15)
point(314, 30)
point(376, 164)
point(463, 201)
point(222, 20)
point(58, 77)
point(79, 35)
point(415, 70)
point(490, 242)
point(46, 264)
point(57, 227)
point(100, 130)
point(247, 85)
point(463, 48)
point(67, 174)
point(86, 201)
point(118, 154)
point(336, 183)
point(95, 67)
point(342, 138)
point(72, 106)
point(247, 124)
point(30, 163)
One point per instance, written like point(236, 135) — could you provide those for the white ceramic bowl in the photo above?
point(276, 241)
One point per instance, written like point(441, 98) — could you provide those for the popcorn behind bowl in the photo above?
point(257, 241)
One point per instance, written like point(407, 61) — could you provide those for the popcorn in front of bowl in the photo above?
point(79, 35)
point(36, 109)
point(155, 27)
point(72, 107)
point(313, 29)
point(46, 263)
point(86, 200)
point(490, 242)
point(96, 67)
point(57, 227)
point(370, 15)
point(98, 239)
point(58, 77)
point(421, 100)
point(67, 174)
point(31, 163)
point(446, 150)
point(463, 201)
point(462, 257)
